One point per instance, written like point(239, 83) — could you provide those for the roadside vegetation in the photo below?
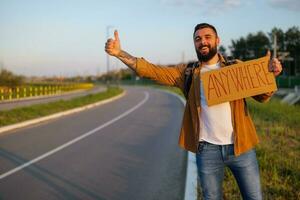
point(26, 113)
point(278, 127)
point(14, 86)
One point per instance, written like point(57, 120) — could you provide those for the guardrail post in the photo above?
point(30, 91)
point(24, 92)
point(1, 94)
point(18, 92)
point(9, 93)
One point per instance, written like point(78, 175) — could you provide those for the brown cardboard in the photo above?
point(238, 81)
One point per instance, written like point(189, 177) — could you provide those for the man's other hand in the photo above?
point(274, 65)
point(113, 46)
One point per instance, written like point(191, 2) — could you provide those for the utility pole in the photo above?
point(274, 45)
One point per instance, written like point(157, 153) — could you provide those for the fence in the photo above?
point(7, 93)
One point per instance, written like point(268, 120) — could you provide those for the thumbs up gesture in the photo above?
point(113, 46)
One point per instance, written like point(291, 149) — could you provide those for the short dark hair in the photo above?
point(204, 25)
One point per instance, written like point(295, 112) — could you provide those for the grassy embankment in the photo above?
point(278, 127)
point(278, 153)
point(26, 113)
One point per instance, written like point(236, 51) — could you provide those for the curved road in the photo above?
point(126, 149)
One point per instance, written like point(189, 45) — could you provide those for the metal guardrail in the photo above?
point(292, 97)
point(11, 93)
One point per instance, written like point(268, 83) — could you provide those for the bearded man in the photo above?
point(221, 135)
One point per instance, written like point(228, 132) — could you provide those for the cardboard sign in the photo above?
point(238, 81)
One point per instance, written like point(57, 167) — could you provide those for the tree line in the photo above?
point(9, 79)
point(255, 45)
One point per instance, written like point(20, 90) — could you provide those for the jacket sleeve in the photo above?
point(172, 76)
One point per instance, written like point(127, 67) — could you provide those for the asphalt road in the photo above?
point(125, 150)
point(7, 105)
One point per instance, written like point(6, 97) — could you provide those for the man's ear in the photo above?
point(218, 41)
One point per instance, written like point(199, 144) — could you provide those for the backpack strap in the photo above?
point(188, 77)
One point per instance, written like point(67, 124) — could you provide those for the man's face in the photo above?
point(206, 43)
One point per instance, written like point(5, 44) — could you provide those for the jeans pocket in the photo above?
point(200, 147)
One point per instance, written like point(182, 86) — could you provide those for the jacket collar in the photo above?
point(222, 60)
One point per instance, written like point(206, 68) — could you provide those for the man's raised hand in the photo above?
point(113, 46)
point(274, 65)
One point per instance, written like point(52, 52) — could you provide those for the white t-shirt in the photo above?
point(215, 121)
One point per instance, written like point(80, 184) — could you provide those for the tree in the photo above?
point(253, 46)
point(7, 78)
point(257, 45)
point(239, 48)
point(222, 50)
point(292, 41)
point(292, 38)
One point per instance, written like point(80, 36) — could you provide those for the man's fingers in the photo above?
point(108, 45)
point(275, 66)
point(276, 61)
point(110, 42)
point(116, 34)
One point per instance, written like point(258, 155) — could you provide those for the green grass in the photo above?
point(278, 153)
point(26, 113)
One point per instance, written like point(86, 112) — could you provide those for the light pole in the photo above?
point(107, 56)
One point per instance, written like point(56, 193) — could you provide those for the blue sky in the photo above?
point(67, 37)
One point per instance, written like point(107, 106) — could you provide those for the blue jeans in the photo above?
point(211, 161)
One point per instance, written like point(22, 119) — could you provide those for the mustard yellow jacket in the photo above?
point(245, 136)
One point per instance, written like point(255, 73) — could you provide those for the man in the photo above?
point(220, 135)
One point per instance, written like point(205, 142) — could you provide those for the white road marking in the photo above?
point(2, 176)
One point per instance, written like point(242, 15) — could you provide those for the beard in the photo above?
point(206, 57)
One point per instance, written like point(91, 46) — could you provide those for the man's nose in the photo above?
point(203, 42)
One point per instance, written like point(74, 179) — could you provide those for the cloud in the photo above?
point(225, 5)
point(293, 5)
point(232, 3)
point(188, 3)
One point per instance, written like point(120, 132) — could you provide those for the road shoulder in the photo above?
point(191, 172)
